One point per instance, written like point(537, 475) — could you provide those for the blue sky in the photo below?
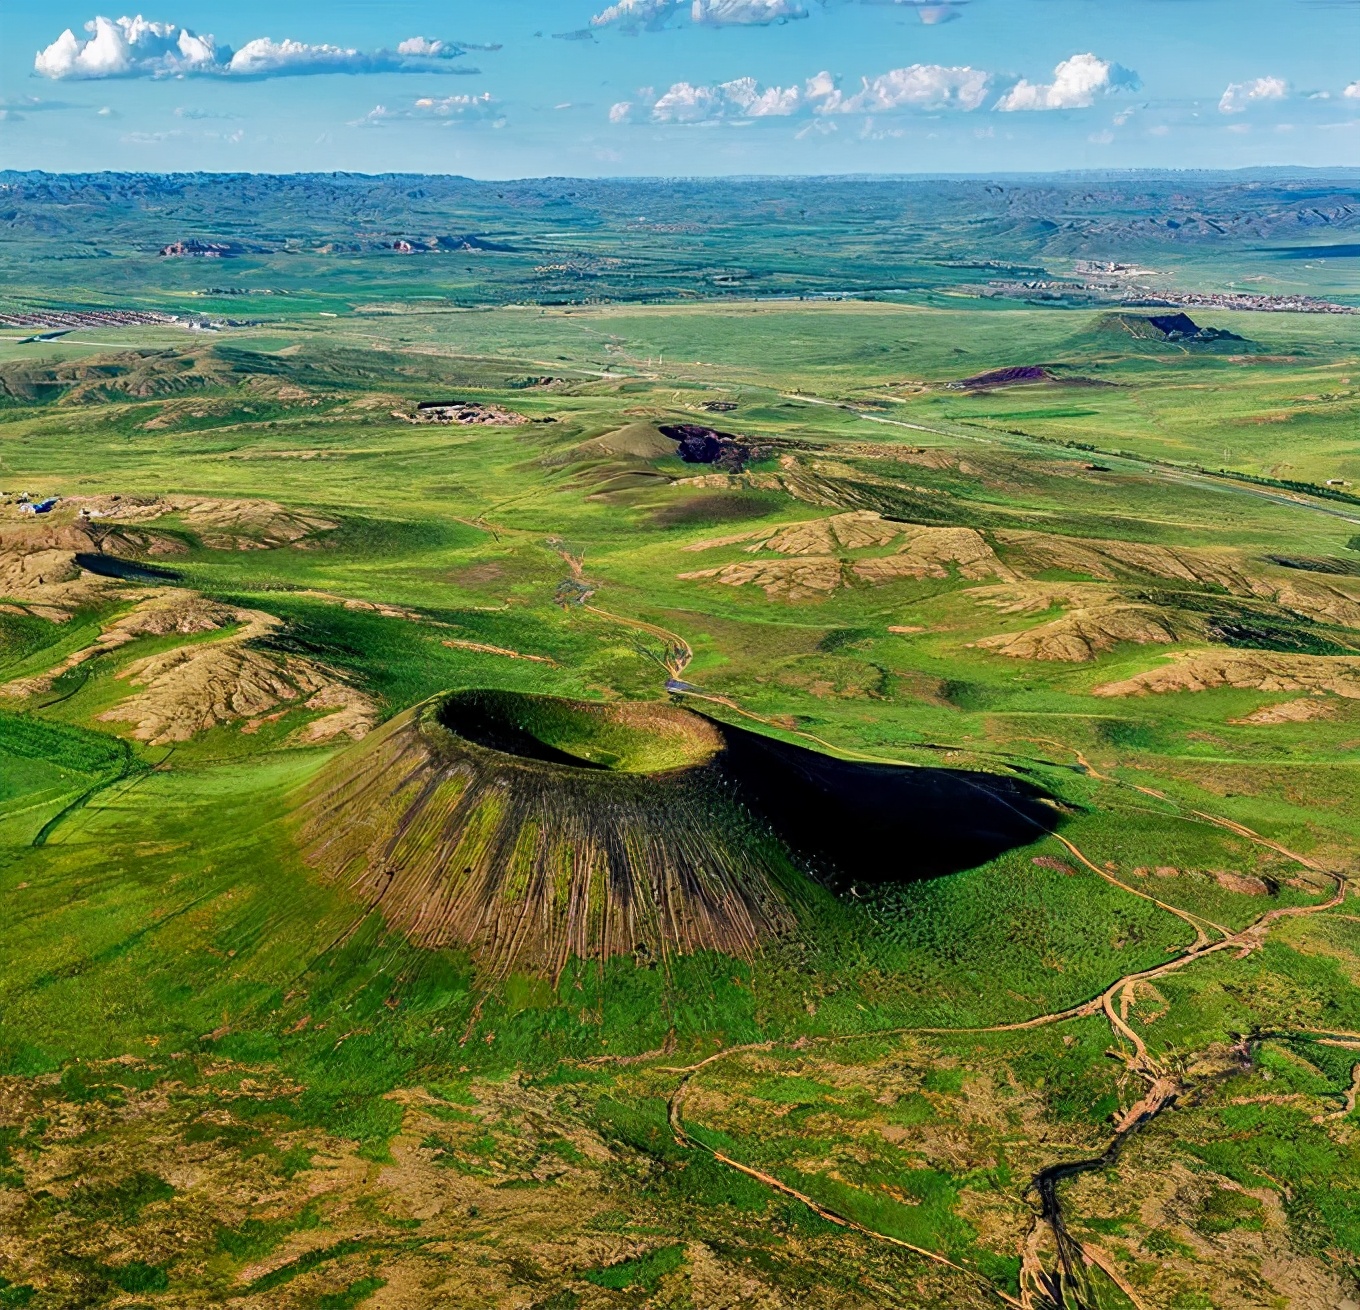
point(584, 87)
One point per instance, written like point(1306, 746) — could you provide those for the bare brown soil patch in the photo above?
point(1335, 601)
point(352, 714)
point(38, 568)
point(1304, 710)
point(158, 615)
point(786, 579)
point(924, 552)
point(247, 524)
point(190, 689)
point(856, 530)
point(931, 552)
point(1245, 669)
point(928, 457)
point(1082, 634)
point(220, 523)
point(1113, 560)
point(469, 413)
point(1243, 883)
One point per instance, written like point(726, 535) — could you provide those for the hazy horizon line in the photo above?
point(1164, 171)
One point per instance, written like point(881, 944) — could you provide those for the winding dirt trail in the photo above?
point(1067, 1285)
point(1195, 921)
point(684, 1138)
point(678, 654)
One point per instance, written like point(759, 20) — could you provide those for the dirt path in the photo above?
point(1194, 920)
point(678, 654)
point(1067, 1285)
point(684, 1138)
point(483, 649)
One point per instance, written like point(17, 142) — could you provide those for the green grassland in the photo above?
point(223, 1081)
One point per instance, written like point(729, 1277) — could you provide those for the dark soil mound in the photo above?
point(1314, 564)
point(701, 445)
point(1169, 328)
point(1004, 377)
point(125, 570)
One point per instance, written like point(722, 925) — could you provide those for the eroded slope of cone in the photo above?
point(528, 860)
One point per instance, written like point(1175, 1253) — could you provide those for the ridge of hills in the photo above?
point(791, 236)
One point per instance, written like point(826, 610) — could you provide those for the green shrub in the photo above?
point(645, 1272)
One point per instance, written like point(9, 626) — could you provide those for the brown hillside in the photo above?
point(531, 861)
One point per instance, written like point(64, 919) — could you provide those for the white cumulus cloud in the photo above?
point(450, 109)
point(633, 14)
point(740, 98)
point(135, 47)
point(757, 13)
point(125, 47)
point(925, 87)
point(482, 106)
point(1352, 92)
point(654, 14)
point(922, 86)
point(424, 47)
point(1240, 95)
point(1076, 84)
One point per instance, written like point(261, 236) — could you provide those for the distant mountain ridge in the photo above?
point(1041, 212)
point(573, 241)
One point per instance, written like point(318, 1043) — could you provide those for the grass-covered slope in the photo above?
point(1111, 602)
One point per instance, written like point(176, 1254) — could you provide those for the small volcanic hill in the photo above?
point(1172, 328)
point(1020, 375)
point(531, 829)
point(640, 440)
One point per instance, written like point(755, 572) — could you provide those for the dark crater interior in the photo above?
point(877, 823)
point(846, 823)
point(483, 722)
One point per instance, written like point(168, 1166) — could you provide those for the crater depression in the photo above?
point(531, 829)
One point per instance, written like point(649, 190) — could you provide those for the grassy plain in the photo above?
point(227, 1082)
